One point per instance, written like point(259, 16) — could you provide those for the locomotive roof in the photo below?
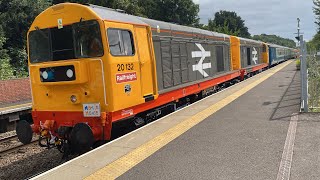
point(278, 46)
point(115, 15)
point(250, 40)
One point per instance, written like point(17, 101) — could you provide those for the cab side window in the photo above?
point(120, 42)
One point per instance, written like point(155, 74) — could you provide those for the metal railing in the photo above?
point(304, 75)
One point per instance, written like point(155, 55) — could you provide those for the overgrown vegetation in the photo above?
point(15, 18)
point(228, 23)
point(313, 83)
point(273, 39)
point(313, 65)
point(314, 44)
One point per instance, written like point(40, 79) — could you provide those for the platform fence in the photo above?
point(313, 64)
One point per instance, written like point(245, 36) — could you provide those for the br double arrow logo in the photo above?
point(201, 66)
point(255, 55)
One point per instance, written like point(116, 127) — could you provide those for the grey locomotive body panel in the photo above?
point(250, 53)
point(175, 60)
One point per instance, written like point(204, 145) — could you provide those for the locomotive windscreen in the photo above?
point(79, 40)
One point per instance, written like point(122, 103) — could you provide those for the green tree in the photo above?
point(183, 12)
point(316, 10)
point(274, 39)
point(229, 23)
point(6, 71)
point(16, 17)
point(314, 44)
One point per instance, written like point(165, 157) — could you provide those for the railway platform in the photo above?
point(248, 131)
point(15, 102)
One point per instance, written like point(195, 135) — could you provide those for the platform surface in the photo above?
point(15, 107)
point(247, 131)
point(244, 140)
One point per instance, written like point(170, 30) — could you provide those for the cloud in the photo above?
point(277, 17)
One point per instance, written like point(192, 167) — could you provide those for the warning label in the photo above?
point(126, 77)
point(91, 110)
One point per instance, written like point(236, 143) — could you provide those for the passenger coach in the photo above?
point(278, 54)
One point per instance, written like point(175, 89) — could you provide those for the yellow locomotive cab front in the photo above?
point(67, 72)
point(66, 65)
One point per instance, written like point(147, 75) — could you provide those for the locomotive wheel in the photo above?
point(24, 132)
point(81, 138)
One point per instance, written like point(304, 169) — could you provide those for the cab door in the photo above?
point(123, 67)
point(147, 64)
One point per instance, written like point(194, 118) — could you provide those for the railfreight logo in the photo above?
point(201, 66)
point(126, 77)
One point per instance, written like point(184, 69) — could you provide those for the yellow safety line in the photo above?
point(16, 106)
point(128, 161)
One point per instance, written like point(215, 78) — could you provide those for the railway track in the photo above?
point(8, 138)
point(11, 143)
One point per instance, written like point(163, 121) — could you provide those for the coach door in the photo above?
point(144, 52)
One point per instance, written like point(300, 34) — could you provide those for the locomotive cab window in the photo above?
point(62, 44)
point(79, 40)
point(120, 42)
point(87, 39)
point(39, 45)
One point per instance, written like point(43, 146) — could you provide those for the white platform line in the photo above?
point(286, 159)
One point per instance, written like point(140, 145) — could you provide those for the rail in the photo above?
point(10, 148)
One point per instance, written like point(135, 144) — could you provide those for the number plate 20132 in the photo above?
point(91, 110)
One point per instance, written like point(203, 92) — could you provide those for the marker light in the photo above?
point(45, 75)
point(69, 73)
point(73, 98)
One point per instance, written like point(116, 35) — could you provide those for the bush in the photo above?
point(298, 64)
point(6, 71)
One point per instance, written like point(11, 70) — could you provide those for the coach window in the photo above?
point(120, 42)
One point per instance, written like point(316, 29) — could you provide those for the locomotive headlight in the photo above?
point(45, 75)
point(73, 98)
point(69, 73)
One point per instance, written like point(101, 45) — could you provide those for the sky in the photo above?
point(277, 17)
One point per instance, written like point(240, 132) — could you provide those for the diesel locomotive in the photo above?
point(91, 67)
